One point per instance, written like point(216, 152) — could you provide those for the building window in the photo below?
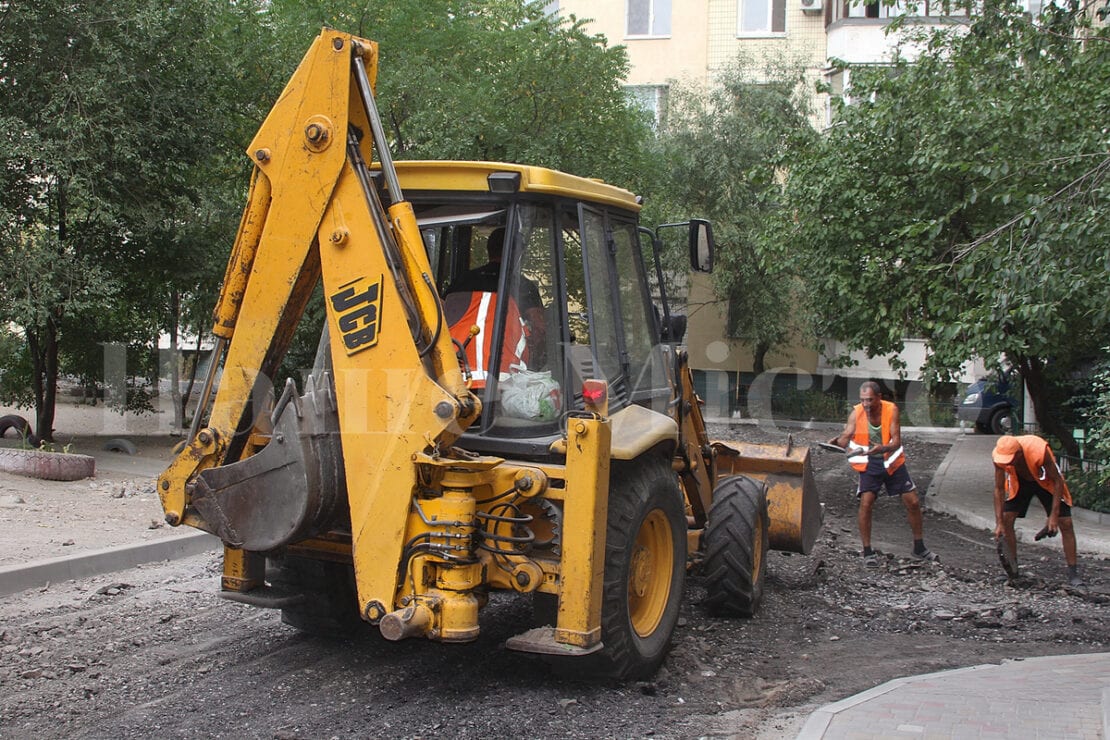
point(649, 17)
point(650, 98)
point(761, 17)
point(886, 9)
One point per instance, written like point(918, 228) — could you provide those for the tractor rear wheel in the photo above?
point(330, 606)
point(645, 568)
point(736, 541)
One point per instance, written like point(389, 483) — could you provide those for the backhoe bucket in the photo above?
point(794, 509)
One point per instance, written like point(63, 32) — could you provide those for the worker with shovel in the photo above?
point(1024, 467)
point(873, 440)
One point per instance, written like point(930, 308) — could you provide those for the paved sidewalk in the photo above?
point(963, 487)
point(1063, 696)
point(181, 544)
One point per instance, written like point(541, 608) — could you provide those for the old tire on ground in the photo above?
point(21, 426)
point(331, 606)
point(47, 465)
point(1001, 422)
point(736, 540)
point(645, 568)
point(119, 444)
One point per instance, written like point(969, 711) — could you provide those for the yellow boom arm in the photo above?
point(314, 214)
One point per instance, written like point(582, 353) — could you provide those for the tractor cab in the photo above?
point(547, 281)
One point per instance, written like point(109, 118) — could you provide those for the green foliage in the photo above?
point(1090, 489)
point(724, 146)
point(491, 80)
point(116, 138)
point(962, 198)
point(15, 371)
point(1097, 417)
point(809, 404)
point(123, 128)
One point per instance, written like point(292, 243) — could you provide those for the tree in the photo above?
point(962, 198)
point(115, 136)
point(495, 80)
point(724, 145)
point(124, 125)
point(1098, 416)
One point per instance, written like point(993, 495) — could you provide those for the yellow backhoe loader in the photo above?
point(498, 402)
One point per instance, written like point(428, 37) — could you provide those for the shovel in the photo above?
point(1008, 565)
point(1043, 533)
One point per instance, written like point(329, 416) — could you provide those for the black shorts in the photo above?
point(1027, 489)
point(875, 478)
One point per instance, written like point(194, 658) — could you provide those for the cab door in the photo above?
point(617, 339)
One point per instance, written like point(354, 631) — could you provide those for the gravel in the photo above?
point(154, 652)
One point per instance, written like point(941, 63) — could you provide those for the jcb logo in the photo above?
point(358, 309)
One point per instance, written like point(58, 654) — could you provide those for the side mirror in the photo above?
point(701, 245)
point(674, 330)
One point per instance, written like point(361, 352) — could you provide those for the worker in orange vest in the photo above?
point(1025, 467)
point(873, 439)
point(469, 311)
point(525, 294)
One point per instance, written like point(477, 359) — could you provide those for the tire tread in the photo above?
point(739, 508)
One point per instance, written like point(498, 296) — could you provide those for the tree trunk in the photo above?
point(175, 365)
point(759, 357)
point(191, 384)
point(1032, 372)
point(50, 391)
point(44, 377)
point(35, 349)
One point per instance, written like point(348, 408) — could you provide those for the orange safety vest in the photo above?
point(1037, 454)
point(861, 439)
point(481, 311)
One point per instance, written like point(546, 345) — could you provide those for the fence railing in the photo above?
point(1071, 463)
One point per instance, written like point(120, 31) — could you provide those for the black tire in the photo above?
point(736, 541)
point(1001, 422)
point(22, 429)
point(645, 568)
point(545, 609)
point(330, 608)
point(119, 444)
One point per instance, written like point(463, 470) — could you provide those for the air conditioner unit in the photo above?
point(812, 6)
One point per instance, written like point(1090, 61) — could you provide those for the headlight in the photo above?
point(971, 398)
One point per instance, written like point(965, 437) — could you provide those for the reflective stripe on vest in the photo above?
point(482, 313)
point(861, 440)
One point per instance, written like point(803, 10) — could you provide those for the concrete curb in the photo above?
point(16, 578)
point(1106, 712)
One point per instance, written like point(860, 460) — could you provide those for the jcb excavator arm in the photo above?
point(314, 214)
point(698, 468)
point(794, 509)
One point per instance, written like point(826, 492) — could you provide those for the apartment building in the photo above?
point(669, 40)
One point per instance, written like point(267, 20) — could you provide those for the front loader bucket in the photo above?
point(794, 509)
